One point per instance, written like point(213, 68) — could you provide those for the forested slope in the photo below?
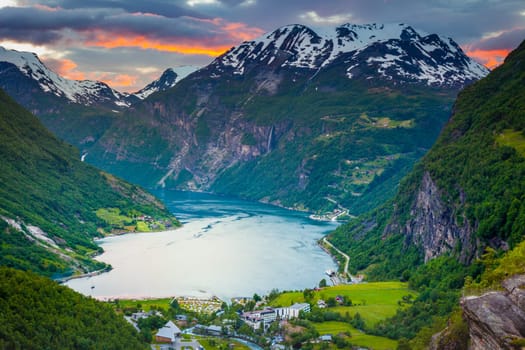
point(52, 204)
point(36, 313)
point(466, 195)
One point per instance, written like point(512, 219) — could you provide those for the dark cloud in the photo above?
point(165, 8)
point(465, 21)
point(44, 26)
point(74, 23)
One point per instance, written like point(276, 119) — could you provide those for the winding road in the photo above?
point(347, 258)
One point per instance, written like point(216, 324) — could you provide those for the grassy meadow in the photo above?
point(357, 336)
point(374, 301)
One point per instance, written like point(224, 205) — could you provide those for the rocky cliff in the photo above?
point(496, 319)
point(435, 226)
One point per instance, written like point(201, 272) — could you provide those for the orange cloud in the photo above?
point(110, 41)
point(490, 58)
point(68, 69)
point(241, 32)
point(118, 80)
point(227, 34)
point(46, 8)
point(65, 68)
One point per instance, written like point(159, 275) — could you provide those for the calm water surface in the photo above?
point(227, 248)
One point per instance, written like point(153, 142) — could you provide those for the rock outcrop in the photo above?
point(496, 320)
point(434, 226)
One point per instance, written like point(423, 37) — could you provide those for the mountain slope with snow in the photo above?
point(83, 92)
point(395, 52)
point(168, 79)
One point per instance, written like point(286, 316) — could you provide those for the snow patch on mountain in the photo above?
point(395, 51)
point(86, 92)
point(167, 80)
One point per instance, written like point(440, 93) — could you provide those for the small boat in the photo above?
point(330, 272)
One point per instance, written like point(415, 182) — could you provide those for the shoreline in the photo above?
point(108, 268)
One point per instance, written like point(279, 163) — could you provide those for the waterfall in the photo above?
point(269, 145)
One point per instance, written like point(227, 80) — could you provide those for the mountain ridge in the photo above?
point(85, 92)
point(316, 48)
point(297, 102)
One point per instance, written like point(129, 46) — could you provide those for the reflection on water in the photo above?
point(227, 247)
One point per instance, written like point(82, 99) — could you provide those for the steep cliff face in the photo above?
point(496, 320)
point(433, 225)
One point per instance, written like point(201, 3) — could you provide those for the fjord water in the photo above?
point(227, 248)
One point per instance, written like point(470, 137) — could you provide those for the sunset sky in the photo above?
point(129, 43)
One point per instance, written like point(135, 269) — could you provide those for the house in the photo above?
point(168, 334)
point(208, 330)
point(326, 337)
point(214, 330)
point(141, 314)
point(258, 318)
point(286, 313)
point(138, 315)
point(181, 318)
point(321, 304)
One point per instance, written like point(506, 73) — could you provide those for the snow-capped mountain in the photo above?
point(168, 79)
point(84, 92)
point(394, 52)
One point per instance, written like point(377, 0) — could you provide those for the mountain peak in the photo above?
point(169, 78)
point(85, 92)
point(394, 52)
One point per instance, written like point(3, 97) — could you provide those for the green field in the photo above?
point(357, 337)
point(374, 301)
point(219, 343)
point(145, 304)
point(514, 139)
point(113, 217)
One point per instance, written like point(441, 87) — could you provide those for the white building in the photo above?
point(258, 318)
point(286, 313)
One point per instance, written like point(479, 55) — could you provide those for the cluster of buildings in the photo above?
point(263, 318)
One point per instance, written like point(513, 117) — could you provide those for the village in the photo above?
point(171, 336)
point(324, 317)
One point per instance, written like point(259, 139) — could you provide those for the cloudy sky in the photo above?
point(128, 43)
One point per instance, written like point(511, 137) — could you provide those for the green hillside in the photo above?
point(51, 202)
point(36, 313)
point(476, 172)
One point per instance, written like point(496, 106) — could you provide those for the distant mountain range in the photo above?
point(341, 112)
point(15, 67)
